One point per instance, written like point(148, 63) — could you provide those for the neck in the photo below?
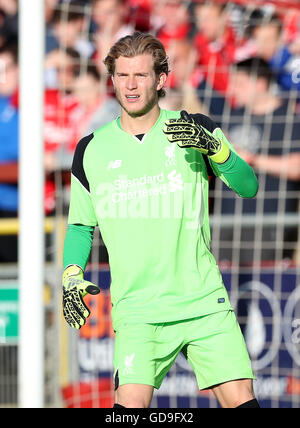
point(140, 124)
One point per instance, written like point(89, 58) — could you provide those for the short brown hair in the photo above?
point(139, 44)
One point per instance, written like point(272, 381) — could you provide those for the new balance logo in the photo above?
point(114, 164)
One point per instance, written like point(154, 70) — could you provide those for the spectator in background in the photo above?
point(59, 104)
point(51, 41)
point(112, 20)
point(94, 108)
point(268, 35)
point(215, 42)
point(289, 18)
point(218, 48)
point(50, 6)
point(140, 15)
point(60, 67)
point(175, 19)
point(68, 25)
point(9, 20)
point(8, 127)
point(266, 133)
point(181, 93)
point(292, 33)
point(72, 115)
point(9, 121)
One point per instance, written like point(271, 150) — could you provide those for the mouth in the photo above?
point(132, 98)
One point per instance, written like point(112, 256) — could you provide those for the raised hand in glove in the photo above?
point(188, 133)
point(75, 288)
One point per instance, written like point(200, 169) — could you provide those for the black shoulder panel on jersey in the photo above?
point(77, 165)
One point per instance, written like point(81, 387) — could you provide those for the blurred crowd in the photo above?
point(238, 63)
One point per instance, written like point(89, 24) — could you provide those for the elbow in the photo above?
point(294, 174)
point(251, 189)
point(254, 189)
point(254, 192)
point(293, 167)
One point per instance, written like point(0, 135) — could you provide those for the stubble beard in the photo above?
point(149, 105)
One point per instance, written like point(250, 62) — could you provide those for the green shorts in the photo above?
point(213, 345)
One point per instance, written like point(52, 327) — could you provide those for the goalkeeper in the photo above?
point(143, 179)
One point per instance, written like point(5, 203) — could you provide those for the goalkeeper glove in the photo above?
point(75, 288)
point(187, 133)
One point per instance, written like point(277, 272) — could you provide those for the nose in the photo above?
point(131, 82)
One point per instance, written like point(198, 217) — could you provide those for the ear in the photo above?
point(162, 78)
point(113, 81)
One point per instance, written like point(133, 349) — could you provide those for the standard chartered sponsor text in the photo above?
point(161, 196)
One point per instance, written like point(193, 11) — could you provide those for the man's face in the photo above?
point(182, 58)
point(267, 40)
point(210, 21)
point(136, 84)
point(108, 14)
point(87, 90)
point(9, 75)
point(242, 88)
point(173, 12)
point(68, 33)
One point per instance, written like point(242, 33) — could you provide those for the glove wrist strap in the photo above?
point(72, 270)
point(222, 155)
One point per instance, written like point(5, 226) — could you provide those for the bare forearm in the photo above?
point(287, 166)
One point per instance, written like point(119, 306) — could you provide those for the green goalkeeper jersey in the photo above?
point(150, 201)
